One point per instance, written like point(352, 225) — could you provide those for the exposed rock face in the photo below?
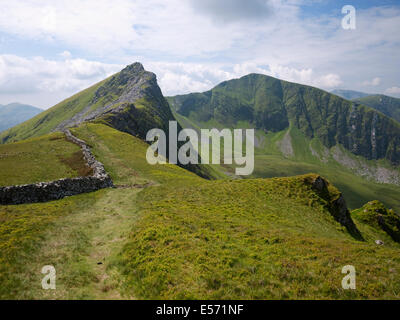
point(134, 104)
point(364, 169)
point(336, 205)
point(54, 190)
point(285, 145)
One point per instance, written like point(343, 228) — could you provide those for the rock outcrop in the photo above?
point(130, 101)
point(58, 189)
point(336, 204)
point(376, 215)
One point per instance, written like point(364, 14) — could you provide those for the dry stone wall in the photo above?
point(54, 190)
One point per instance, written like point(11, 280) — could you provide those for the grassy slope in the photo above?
point(357, 190)
point(185, 237)
point(249, 239)
point(76, 233)
point(49, 119)
point(46, 158)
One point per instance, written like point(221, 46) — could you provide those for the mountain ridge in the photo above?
point(389, 106)
point(271, 104)
point(349, 94)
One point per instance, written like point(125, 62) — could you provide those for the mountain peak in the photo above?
point(134, 67)
point(129, 100)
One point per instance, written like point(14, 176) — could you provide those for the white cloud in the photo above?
point(104, 27)
point(393, 90)
point(190, 52)
point(66, 54)
point(38, 77)
point(179, 78)
point(374, 82)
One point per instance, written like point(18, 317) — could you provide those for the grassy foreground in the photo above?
point(166, 233)
point(250, 239)
point(77, 233)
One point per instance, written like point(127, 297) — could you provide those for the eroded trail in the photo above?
point(84, 247)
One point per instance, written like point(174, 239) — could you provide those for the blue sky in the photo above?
point(50, 50)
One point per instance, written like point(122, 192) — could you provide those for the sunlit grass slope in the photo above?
point(75, 233)
point(186, 237)
point(124, 157)
point(46, 121)
point(46, 158)
point(250, 239)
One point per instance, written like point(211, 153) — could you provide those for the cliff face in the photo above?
point(271, 105)
point(130, 101)
point(361, 130)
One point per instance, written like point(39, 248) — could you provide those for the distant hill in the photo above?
point(15, 113)
point(387, 105)
point(272, 105)
point(349, 94)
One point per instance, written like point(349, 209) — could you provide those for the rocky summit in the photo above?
point(130, 101)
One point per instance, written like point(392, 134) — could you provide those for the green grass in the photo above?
point(357, 190)
point(23, 232)
point(124, 157)
point(185, 237)
point(46, 158)
point(249, 239)
point(76, 233)
point(270, 162)
point(374, 216)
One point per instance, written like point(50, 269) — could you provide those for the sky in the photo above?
point(51, 49)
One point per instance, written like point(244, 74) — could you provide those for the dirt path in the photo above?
point(84, 246)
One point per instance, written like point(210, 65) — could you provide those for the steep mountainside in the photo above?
point(15, 113)
point(349, 94)
point(129, 101)
point(273, 105)
point(387, 105)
